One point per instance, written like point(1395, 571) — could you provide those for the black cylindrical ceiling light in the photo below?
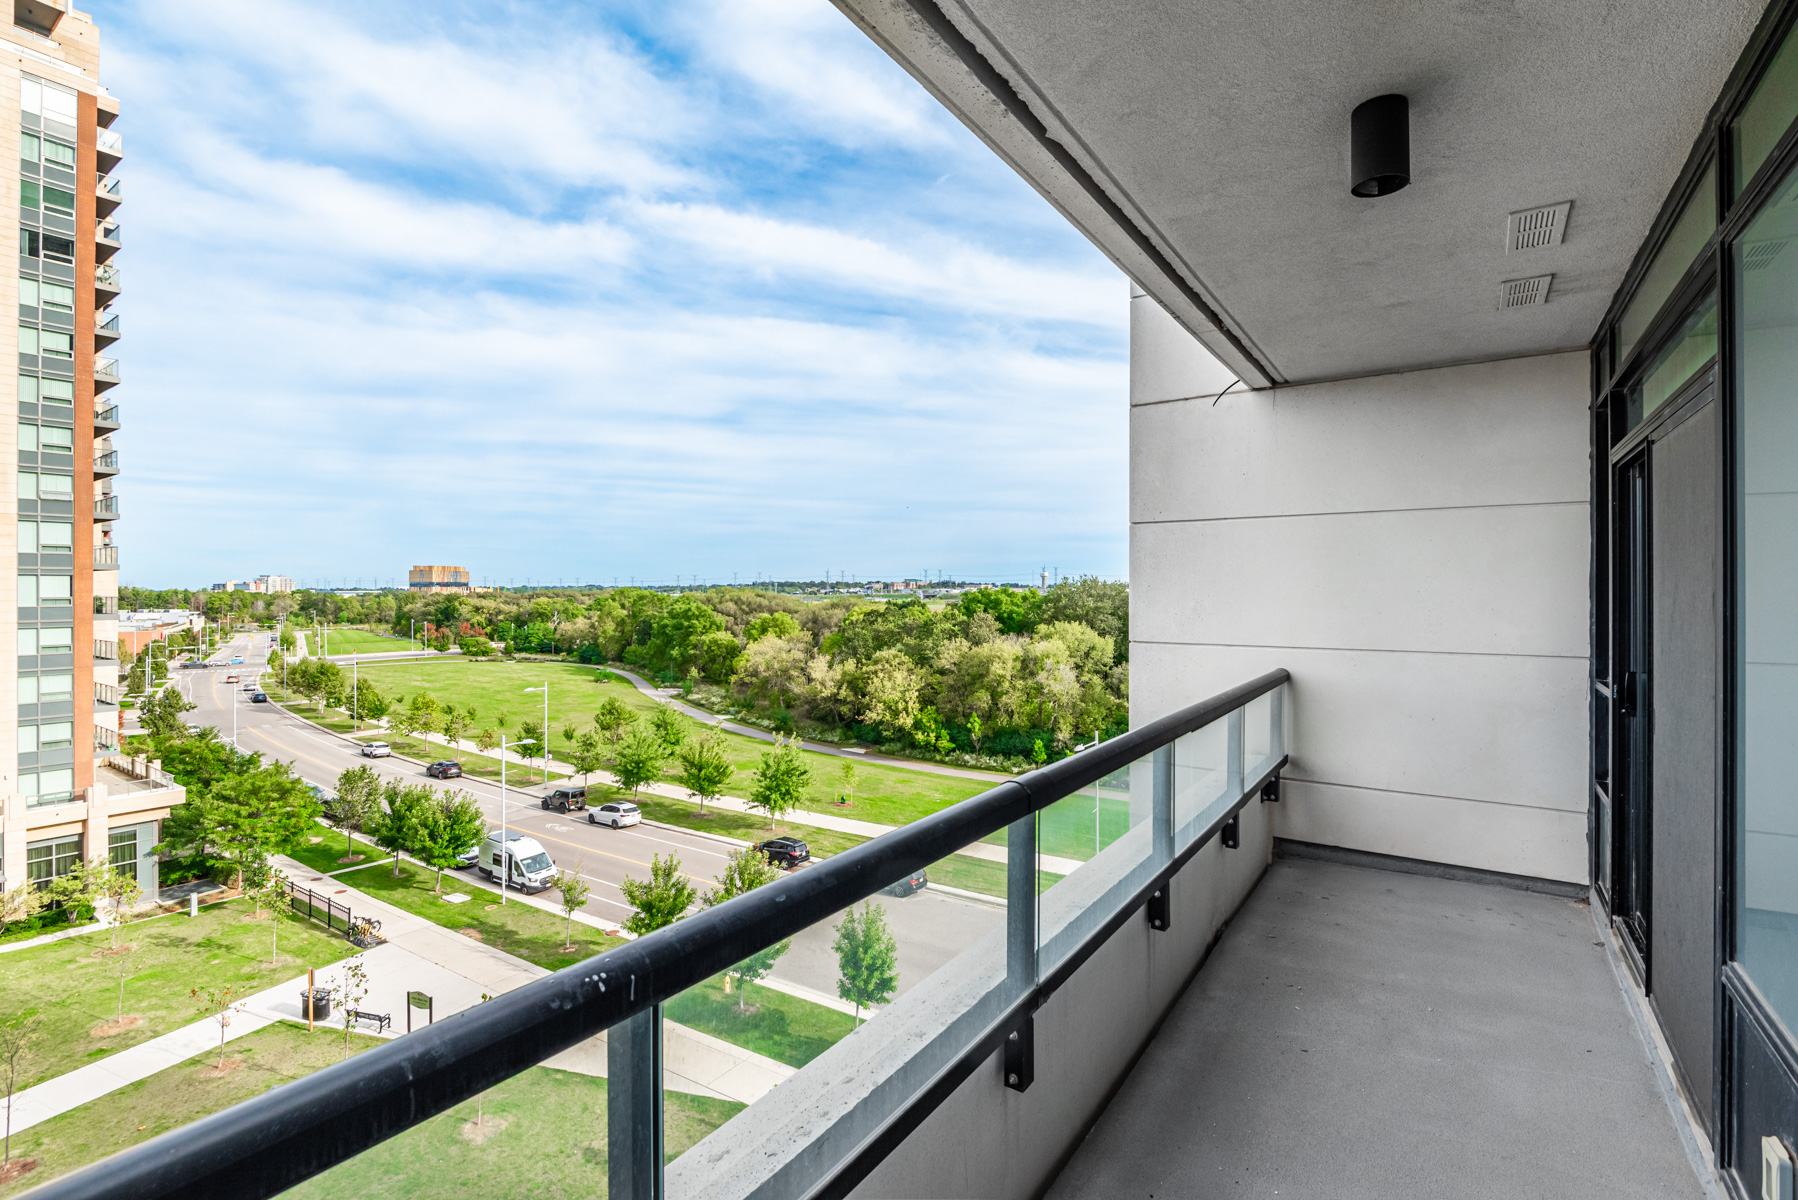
point(1380, 146)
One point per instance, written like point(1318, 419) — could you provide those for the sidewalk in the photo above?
point(454, 971)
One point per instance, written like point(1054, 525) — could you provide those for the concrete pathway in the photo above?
point(455, 970)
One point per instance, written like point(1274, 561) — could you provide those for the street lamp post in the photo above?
point(505, 853)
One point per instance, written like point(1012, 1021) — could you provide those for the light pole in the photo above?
point(505, 852)
point(545, 690)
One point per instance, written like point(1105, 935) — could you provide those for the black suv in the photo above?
point(444, 770)
point(785, 851)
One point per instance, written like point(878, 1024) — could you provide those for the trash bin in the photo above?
point(315, 1005)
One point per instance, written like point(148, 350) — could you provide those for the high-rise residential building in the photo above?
point(437, 579)
point(69, 795)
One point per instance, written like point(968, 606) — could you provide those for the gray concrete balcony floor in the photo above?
point(1366, 1033)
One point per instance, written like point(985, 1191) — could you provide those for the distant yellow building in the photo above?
point(437, 579)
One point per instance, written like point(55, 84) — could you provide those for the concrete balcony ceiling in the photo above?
point(1205, 149)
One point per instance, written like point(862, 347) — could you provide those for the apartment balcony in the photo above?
point(106, 558)
point(39, 16)
point(106, 508)
point(106, 240)
point(106, 108)
point(107, 332)
point(106, 697)
point(106, 284)
point(109, 193)
point(109, 148)
point(106, 465)
point(106, 420)
point(106, 373)
point(105, 652)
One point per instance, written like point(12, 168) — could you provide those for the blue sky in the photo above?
point(604, 291)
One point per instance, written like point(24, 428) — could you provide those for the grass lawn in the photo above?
point(322, 855)
point(338, 721)
point(518, 929)
point(174, 1097)
point(782, 1027)
point(541, 1133)
point(889, 795)
point(360, 641)
point(75, 986)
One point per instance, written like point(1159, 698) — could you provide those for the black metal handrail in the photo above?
point(271, 1142)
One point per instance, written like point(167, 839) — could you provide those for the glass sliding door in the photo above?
point(1766, 917)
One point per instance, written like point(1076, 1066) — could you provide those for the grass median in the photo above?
point(521, 930)
point(784, 1028)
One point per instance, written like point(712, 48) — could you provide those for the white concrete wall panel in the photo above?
point(1415, 549)
point(1470, 580)
point(1166, 362)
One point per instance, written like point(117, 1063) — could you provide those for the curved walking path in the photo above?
point(672, 696)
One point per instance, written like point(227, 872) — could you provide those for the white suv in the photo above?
point(617, 814)
point(377, 750)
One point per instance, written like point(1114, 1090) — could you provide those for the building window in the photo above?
point(55, 344)
point(57, 391)
point(58, 537)
point(54, 590)
point(45, 861)
point(57, 639)
point(44, 788)
point(27, 339)
point(123, 845)
point(53, 486)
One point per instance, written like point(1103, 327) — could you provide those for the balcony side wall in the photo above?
point(994, 1143)
point(1415, 549)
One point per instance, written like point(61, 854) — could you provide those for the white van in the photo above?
point(531, 868)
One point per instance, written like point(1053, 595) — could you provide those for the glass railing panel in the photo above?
point(1203, 765)
point(1093, 848)
point(1263, 733)
point(805, 1034)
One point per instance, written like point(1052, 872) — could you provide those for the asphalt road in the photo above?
point(931, 927)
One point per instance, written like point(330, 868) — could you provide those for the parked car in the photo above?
point(521, 861)
point(376, 750)
point(564, 799)
point(616, 813)
point(787, 852)
point(911, 883)
point(327, 801)
point(193, 727)
point(447, 769)
point(468, 858)
point(258, 697)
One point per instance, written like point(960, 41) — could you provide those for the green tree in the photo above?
point(771, 624)
point(867, 958)
point(161, 714)
point(660, 900)
point(455, 724)
point(444, 827)
point(366, 701)
point(220, 1004)
point(638, 760)
point(613, 718)
point(395, 826)
point(780, 780)
point(235, 822)
point(587, 756)
point(421, 714)
point(744, 871)
point(358, 799)
point(573, 891)
point(848, 773)
point(486, 740)
point(705, 770)
point(20, 904)
point(666, 723)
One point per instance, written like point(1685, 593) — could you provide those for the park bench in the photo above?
point(381, 1021)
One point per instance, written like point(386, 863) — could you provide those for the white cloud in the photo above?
point(397, 336)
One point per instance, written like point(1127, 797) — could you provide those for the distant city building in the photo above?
point(262, 583)
point(437, 579)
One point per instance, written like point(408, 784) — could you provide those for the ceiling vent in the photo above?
point(1534, 228)
point(1521, 293)
point(1758, 256)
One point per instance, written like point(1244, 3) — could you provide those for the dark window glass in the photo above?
point(61, 249)
point(28, 243)
point(56, 198)
point(1766, 354)
point(1767, 115)
point(1694, 227)
point(1684, 355)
